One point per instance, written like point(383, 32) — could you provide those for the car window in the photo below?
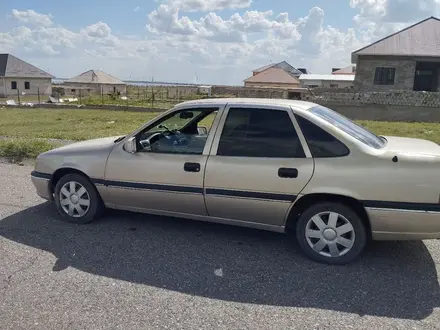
point(321, 143)
point(176, 121)
point(343, 123)
point(208, 120)
point(180, 133)
point(259, 133)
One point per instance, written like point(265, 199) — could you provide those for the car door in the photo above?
point(258, 165)
point(162, 176)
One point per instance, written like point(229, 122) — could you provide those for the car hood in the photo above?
point(403, 145)
point(85, 146)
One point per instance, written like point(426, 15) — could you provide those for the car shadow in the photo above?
point(393, 279)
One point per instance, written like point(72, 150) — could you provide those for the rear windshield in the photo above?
point(348, 126)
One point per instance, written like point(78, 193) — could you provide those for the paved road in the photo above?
point(130, 271)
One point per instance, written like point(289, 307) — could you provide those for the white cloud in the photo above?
point(32, 17)
point(304, 35)
point(98, 30)
point(207, 5)
point(213, 27)
point(394, 11)
point(101, 34)
point(379, 18)
point(136, 9)
point(41, 40)
point(369, 9)
point(166, 19)
point(51, 41)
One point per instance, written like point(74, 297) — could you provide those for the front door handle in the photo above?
point(286, 172)
point(191, 167)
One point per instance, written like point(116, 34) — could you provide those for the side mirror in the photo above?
point(202, 130)
point(130, 145)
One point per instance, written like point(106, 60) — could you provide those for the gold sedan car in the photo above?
point(263, 163)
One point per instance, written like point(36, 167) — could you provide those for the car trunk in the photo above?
point(411, 145)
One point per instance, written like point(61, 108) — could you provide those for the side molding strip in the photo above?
point(402, 205)
point(41, 175)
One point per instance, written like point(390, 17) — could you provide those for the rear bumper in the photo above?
point(393, 224)
point(41, 182)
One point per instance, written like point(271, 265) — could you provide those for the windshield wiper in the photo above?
point(119, 139)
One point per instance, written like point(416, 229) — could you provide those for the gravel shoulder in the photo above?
point(131, 271)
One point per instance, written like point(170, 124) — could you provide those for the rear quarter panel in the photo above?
point(375, 177)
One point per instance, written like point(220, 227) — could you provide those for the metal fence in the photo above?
point(154, 97)
point(142, 96)
point(22, 98)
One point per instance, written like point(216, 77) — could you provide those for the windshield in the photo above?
point(348, 126)
point(177, 121)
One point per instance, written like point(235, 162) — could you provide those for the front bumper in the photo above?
point(41, 182)
point(395, 224)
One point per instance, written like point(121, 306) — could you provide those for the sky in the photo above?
point(198, 41)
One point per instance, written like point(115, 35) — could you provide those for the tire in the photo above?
point(321, 241)
point(85, 207)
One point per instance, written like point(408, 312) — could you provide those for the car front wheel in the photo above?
point(76, 199)
point(331, 233)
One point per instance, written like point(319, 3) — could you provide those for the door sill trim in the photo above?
point(205, 218)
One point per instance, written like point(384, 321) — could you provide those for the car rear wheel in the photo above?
point(331, 233)
point(77, 199)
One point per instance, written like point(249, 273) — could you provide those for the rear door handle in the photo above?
point(191, 167)
point(286, 172)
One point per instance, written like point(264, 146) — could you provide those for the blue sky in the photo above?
point(220, 41)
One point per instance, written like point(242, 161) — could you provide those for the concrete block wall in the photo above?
point(98, 88)
point(407, 106)
point(43, 86)
point(382, 112)
point(239, 91)
point(396, 98)
point(366, 69)
point(179, 91)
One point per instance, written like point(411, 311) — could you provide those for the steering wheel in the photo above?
point(171, 134)
point(165, 126)
point(168, 136)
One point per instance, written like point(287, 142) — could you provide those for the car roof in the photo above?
point(301, 105)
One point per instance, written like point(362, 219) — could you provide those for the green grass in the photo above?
point(19, 149)
point(132, 102)
point(71, 124)
point(427, 131)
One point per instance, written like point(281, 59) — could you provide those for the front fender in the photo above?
point(91, 164)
